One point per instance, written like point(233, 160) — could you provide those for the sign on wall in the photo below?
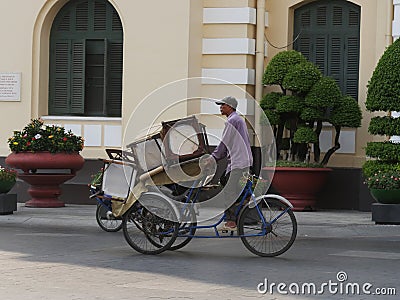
point(10, 86)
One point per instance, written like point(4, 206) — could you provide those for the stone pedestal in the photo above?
point(8, 203)
point(385, 213)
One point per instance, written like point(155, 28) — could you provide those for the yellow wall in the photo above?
point(163, 44)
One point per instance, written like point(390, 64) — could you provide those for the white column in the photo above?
point(396, 34)
point(396, 19)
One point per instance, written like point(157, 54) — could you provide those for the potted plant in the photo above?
point(8, 202)
point(305, 100)
point(39, 148)
point(383, 95)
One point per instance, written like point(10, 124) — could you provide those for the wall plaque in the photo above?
point(10, 86)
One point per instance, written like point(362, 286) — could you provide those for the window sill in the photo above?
point(77, 118)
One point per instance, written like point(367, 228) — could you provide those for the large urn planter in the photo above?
point(299, 185)
point(45, 172)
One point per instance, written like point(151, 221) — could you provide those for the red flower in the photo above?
point(28, 143)
point(65, 139)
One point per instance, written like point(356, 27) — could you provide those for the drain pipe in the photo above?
point(260, 49)
point(259, 72)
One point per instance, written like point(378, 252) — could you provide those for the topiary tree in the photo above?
point(306, 100)
point(383, 94)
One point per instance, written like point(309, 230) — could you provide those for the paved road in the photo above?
point(63, 254)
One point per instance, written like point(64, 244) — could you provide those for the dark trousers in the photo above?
point(233, 183)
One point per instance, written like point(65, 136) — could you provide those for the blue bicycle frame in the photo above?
point(247, 191)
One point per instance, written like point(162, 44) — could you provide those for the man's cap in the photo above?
point(229, 100)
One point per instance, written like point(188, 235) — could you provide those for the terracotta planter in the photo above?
point(386, 196)
point(298, 185)
point(44, 184)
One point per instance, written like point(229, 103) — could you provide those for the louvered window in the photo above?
point(331, 38)
point(86, 60)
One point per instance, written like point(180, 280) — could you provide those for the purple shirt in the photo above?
point(235, 144)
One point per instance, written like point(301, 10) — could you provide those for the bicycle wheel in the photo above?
point(187, 229)
point(148, 227)
point(274, 238)
point(109, 224)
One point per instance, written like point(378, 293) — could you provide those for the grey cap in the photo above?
point(229, 100)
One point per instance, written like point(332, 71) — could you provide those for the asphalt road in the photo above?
point(63, 254)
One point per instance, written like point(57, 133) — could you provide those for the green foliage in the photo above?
point(270, 100)
point(7, 174)
point(307, 98)
point(272, 116)
point(305, 135)
point(384, 86)
point(279, 66)
point(290, 104)
point(36, 136)
point(388, 180)
point(384, 126)
point(386, 151)
point(384, 95)
point(371, 167)
point(301, 77)
point(324, 93)
point(347, 113)
point(311, 114)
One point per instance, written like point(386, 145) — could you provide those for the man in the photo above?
point(235, 146)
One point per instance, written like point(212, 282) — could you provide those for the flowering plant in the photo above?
point(7, 174)
point(36, 136)
point(384, 180)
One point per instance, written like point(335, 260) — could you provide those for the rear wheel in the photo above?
point(272, 237)
point(148, 226)
point(106, 222)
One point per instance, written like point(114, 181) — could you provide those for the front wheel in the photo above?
point(268, 229)
point(187, 229)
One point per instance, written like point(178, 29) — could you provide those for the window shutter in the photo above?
point(303, 42)
point(336, 59)
point(100, 16)
point(321, 53)
point(78, 77)
point(77, 26)
point(114, 78)
point(82, 18)
point(351, 66)
point(330, 31)
point(60, 78)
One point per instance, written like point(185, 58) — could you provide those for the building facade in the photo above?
point(90, 64)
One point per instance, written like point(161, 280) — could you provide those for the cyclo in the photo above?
point(138, 192)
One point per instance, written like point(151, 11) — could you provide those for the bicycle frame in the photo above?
point(246, 192)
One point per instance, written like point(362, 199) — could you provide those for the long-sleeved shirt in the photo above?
point(235, 144)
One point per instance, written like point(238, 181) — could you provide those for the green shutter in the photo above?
point(351, 66)
point(321, 53)
point(60, 78)
point(335, 59)
point(114, 78)
point(330, 38)
point(77, 24)
point(78, 77)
